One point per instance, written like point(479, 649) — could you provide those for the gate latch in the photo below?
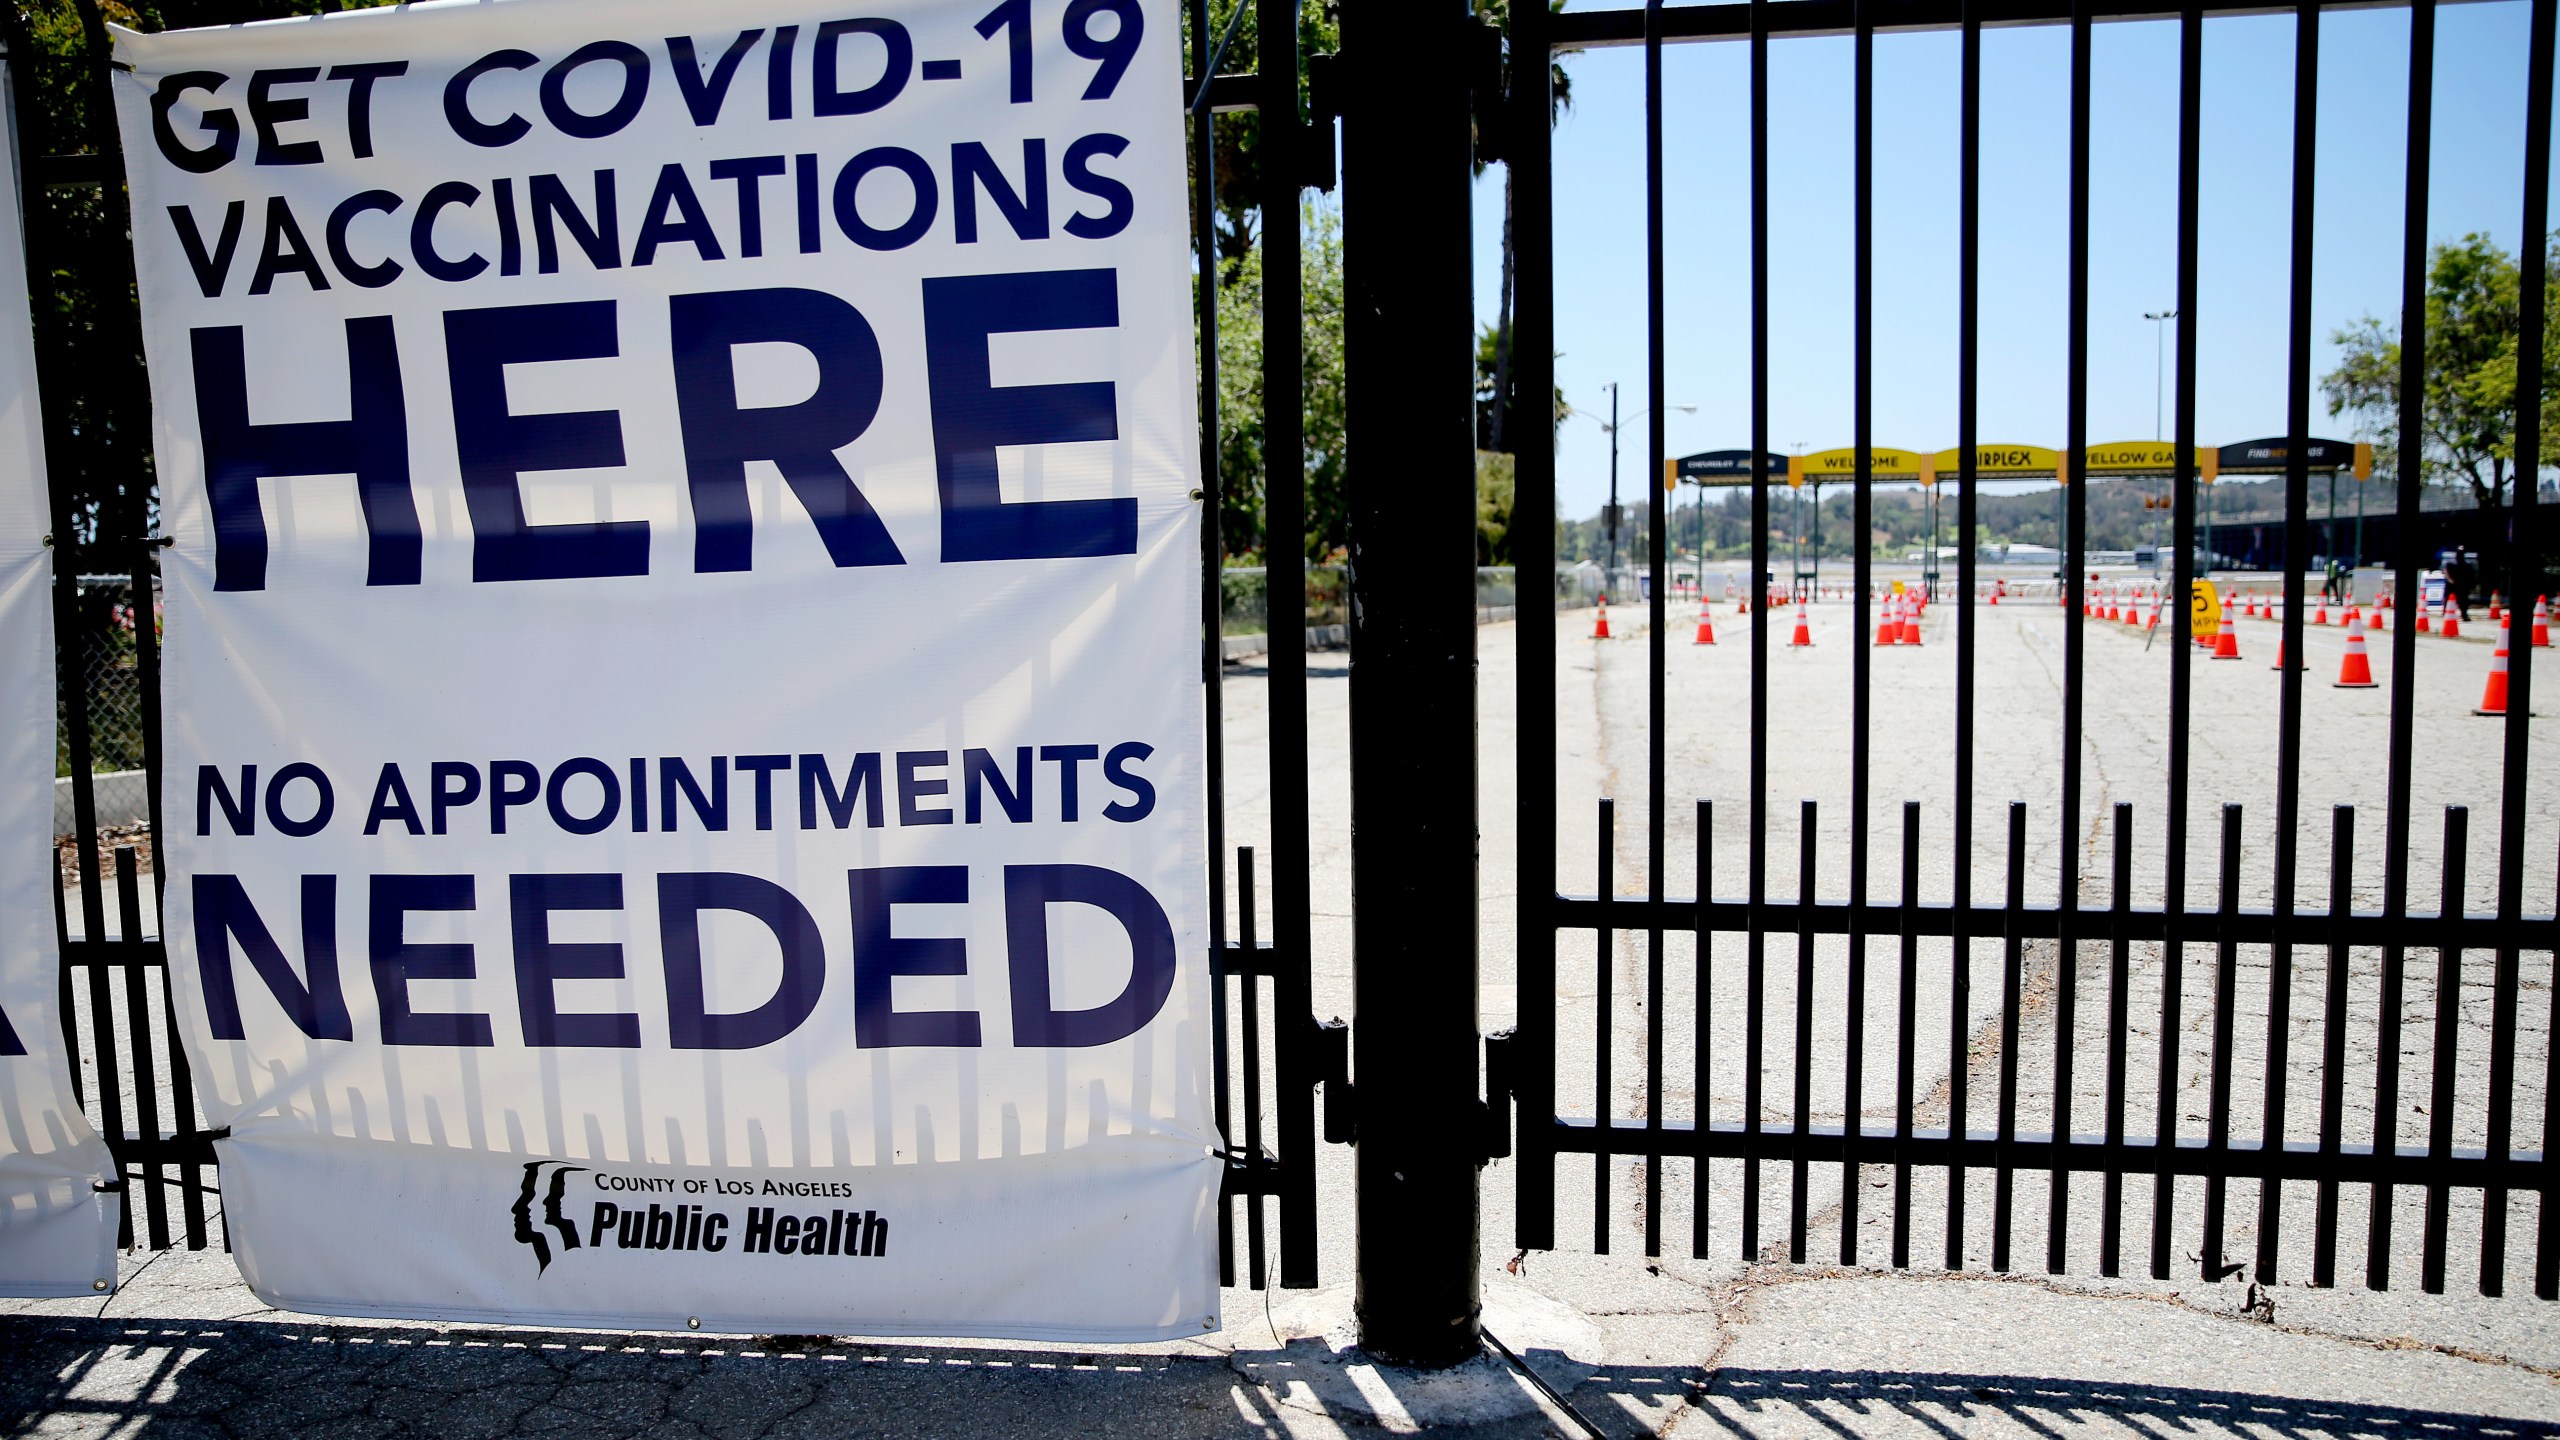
point(1501, 1060)
point(1333, 1069)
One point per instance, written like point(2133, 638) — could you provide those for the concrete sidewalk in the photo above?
point(183, 1349)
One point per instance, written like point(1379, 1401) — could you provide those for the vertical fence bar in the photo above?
point(1247, 932)
point(2333, 1043)
point(2404, 636)
point(2297, 560)
point(2066, 959)
point(1657, 795)
point(182, 1105)
point(2173, 956)
point(1703, 1016)
point(2217, 1123)
point(152, 1174)
point(2546, 1249)
point(1853, 1053)
point(1968, 360)
point(1758, 589)
point(1284, 138)
point(1204, 174)
point(63, 1000)
point(1533, 552)
point(2012, 984)
point(1861, 654)
point(1906, 1035)
point(1802, 1060)
point(102, 1039)
point(2443, 1089)
point(2119, 1021)
point(1605, 987)
point(2524, 576)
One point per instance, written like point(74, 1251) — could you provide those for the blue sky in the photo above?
point(2241, 315)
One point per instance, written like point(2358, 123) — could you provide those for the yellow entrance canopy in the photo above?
point(1824, 466)
point(2000, 462)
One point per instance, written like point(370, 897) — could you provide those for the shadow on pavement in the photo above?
point(310, 1380)
point(244, 1379)
point(1764, 1404)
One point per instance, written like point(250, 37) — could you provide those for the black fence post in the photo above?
point(1411, 335)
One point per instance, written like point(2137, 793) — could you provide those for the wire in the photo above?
point(1235, 22)
point(1554, 1397)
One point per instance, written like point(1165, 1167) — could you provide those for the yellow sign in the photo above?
point(1999, 462)
point(2133, 457)
point(2364, 461)
point(1897, 587)
point(2204, 610)
point(1842, 464)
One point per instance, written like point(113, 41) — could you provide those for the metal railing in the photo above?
point(2074, 1108)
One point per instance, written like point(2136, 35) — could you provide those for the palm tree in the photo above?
point(1560, 100)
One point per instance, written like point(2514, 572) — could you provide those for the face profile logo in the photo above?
point(528, 1228)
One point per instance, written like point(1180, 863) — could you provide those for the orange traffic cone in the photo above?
point(2493, 700)
point(2542, 622)
point(2423, 626)
point(2374, 621)
point(1911, 623)
point(1600, 626)
point(1888, 623)
point(1706, 624)
point(2226, 645)
point(2452, 622)
point(2320, 611)
point(2497, 612)
point(2298, 662)
point(1803, 638)
point(2356, 671)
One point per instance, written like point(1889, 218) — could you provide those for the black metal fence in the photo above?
point(2008, 1137)
point(117, 1006)
point(2048, 1028)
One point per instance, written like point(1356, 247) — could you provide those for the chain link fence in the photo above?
point(104, 629)
point(1245, 595)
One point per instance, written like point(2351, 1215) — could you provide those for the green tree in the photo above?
point(2467, 413)
point(1240, 187)
point(1497, 483)
point(1241, 433)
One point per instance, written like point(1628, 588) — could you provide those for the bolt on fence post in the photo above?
point(1410, 333)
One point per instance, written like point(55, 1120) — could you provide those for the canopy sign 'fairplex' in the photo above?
point(685, 756)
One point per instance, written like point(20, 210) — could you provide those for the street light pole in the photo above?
point(1612, 515)
point(2159, 352)
point(2159, 349)
point(1609, 518)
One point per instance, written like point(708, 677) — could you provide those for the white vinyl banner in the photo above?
point(57, 1226)
point(685, 784)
